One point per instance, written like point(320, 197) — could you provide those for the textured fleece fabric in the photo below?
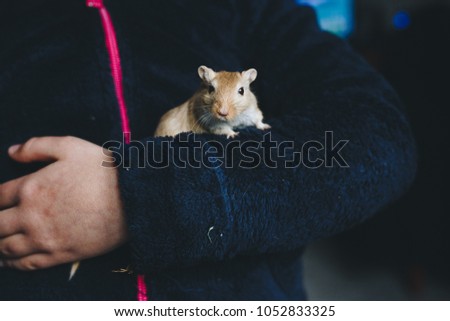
point(202, 233)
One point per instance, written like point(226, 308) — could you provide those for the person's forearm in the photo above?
point(312, 83)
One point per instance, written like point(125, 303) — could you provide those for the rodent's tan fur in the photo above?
point(216, 111)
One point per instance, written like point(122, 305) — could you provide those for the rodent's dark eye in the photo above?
point(211, 89)
point(241, 91)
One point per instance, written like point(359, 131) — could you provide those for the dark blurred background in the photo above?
point(402, 253)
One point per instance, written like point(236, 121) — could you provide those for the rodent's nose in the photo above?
point(223, 113)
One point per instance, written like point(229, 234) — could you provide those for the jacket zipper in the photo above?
point(116, 71)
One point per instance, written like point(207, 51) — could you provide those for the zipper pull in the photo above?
point(127, 270)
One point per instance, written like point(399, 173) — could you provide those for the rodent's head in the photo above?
point(227, 94)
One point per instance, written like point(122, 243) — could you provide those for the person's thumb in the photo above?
point(40, 149)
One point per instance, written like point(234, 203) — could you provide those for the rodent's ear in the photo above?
point(250, 75)
point(206, 74)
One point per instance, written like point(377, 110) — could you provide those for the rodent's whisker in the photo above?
point(201, 121)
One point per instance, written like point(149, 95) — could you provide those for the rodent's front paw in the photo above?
point(232, 134)
point(263, 126)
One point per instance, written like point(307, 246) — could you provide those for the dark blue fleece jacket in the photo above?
point(212, 232)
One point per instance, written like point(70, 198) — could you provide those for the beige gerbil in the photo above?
point(223, 102)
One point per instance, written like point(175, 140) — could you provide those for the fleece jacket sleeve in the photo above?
point(314, 84)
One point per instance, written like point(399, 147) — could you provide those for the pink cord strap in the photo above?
point(116, 71)
point(115, 64)
point(142, 288)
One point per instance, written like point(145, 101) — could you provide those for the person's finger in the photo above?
point(9, 222)
point(16, 246)
point(9, 193)
point(30, 263)
point(42, 149)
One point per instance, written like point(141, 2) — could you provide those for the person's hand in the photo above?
point(67, 211)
